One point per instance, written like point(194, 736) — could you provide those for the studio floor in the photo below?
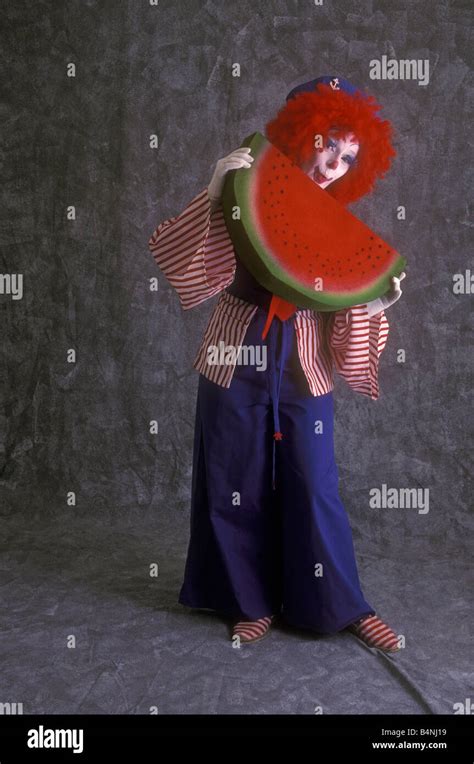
point(87, 630)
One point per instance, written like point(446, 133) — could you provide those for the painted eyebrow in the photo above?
point(333, 138)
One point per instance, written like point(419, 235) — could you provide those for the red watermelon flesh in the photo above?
point(297, 240)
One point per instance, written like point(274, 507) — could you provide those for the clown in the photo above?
point(270, 538)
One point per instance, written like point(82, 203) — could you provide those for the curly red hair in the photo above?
point(317, 112)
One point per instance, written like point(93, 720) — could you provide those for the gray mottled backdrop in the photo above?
point(83, 142)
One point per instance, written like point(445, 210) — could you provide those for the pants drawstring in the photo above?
point(275, 383)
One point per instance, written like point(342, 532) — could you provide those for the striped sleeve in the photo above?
point(356, 342)
point(194, 251)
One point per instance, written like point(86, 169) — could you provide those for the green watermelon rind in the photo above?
point(238, 192)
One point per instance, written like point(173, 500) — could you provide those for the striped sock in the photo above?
point(251, 631)
point(375, 633)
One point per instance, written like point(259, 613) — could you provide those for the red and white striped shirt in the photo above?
point(195, 252)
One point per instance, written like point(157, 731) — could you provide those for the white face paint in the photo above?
point(333, 161)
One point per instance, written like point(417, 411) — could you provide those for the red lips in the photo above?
point(319, 178)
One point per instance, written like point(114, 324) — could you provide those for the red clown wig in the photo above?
point(308, 114)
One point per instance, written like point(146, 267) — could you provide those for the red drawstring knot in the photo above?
point(278, 435)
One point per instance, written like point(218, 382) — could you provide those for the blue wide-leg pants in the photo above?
point(269, 534)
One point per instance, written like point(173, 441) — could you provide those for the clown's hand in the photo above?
point(241, 157)
point(387, 299)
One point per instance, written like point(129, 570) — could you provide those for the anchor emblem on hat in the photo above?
point(335, 83)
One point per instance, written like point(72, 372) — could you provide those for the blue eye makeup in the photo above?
point(331, 144)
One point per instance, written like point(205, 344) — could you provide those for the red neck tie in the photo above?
point(280, 308)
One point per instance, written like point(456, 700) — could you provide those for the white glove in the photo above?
point(240, 157)
point(387, 299)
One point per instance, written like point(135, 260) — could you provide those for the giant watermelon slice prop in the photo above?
point(298, 241)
